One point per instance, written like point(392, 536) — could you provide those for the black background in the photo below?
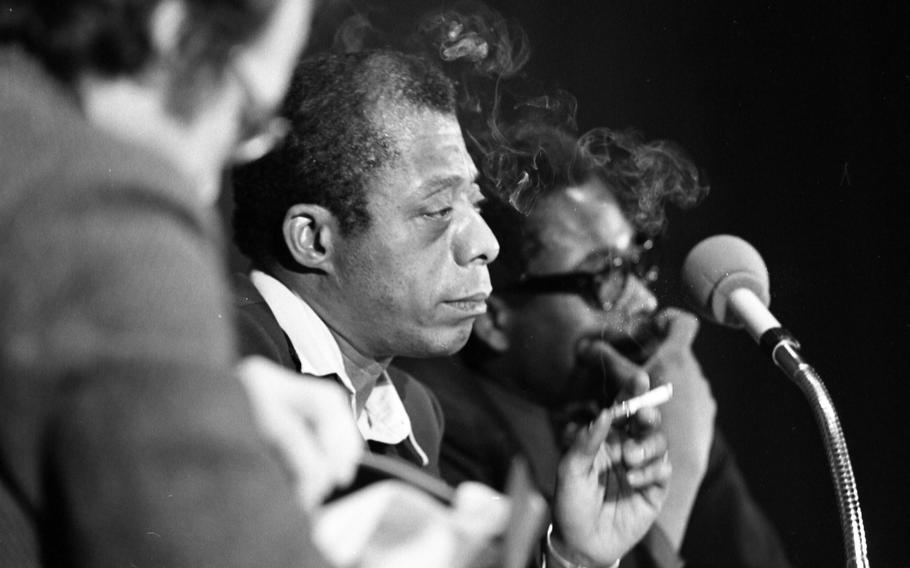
point(799, 112)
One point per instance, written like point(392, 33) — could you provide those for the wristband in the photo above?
point(553, 559)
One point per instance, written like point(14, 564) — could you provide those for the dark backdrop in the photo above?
point(798, 111)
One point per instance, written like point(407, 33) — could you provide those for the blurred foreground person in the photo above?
point(125, 437)
point(367, 244)
point(572, 320)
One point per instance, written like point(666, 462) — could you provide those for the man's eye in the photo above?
point(439, 214)
point(607, 263)
point(478, 199)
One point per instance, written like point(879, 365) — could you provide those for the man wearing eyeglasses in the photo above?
point(572, 319)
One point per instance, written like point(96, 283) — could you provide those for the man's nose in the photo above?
point(475, 242)
point(636, 298)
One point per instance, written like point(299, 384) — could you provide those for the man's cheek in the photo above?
point(591, 381)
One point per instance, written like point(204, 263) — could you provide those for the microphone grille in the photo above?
point(717, 266)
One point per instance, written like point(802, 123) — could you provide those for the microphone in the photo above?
point(727, 281)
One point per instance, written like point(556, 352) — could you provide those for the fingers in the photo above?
point(643, 425)
point(656, 473)
point(480, 510)
point(674, 353)
point(646, 419)
point(678, 327)
point(646, 461)
point(644, 450)
point(588, 440)
point(307, 421)
point(637, 453)
point(326, 409)
point(312, 484)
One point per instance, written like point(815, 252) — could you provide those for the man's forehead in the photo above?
point(580, 223)
point(413, 126)
point(400, 118)
point(431, 144)
point(429, 158)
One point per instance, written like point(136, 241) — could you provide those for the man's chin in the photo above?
point(439, 344)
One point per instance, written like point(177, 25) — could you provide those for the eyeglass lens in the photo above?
point(260, 131)
point(612, 283)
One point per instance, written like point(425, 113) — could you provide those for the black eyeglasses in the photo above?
point(260, 131)
point(602, 289)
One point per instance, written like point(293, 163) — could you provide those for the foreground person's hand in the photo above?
point(307, 421)
point(391, 524)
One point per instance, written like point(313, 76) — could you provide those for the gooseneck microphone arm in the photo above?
point(784, 351)
point(728, 280)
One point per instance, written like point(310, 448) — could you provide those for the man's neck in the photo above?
point(363, 369)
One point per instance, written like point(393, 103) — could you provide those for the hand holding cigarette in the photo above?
point(654, 397)
point(612, 481)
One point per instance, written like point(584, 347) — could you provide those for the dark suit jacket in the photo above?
point(260, 334)
point(125, 439)
point(488, 426)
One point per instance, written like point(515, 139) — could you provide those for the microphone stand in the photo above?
point(784, 350)
point(728, 277)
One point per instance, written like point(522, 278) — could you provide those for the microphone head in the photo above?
point(717, 266)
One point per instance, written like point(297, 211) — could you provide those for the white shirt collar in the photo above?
point(384, 418)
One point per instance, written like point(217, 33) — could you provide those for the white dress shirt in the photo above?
point(383, 418)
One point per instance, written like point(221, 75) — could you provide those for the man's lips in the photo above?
point(475, 304)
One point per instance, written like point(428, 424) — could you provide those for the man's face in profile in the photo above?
point(417, 276)
point(580, 230)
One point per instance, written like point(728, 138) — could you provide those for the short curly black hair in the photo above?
point(336, 143)
point(111, 38)
point(535, 159)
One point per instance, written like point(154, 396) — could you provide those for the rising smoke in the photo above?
point(524, 135)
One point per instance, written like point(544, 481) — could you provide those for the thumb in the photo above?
point(678, 327)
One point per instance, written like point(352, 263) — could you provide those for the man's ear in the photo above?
point(491, 327)
point(309, 233)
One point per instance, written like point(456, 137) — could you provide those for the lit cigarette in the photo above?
point(650, 399)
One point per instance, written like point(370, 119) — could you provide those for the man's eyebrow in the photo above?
point(594, 257)
point(440, 183)
point(603, 254)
